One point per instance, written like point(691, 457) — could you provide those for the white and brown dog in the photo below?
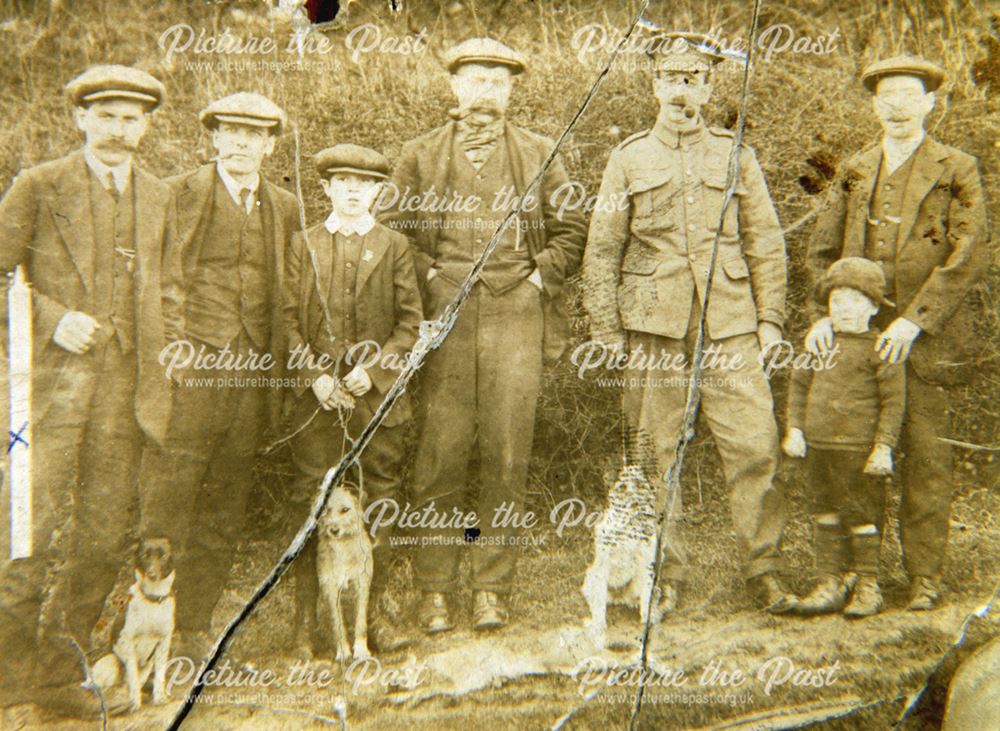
point(142, 647)
point(624, 553)
point(344, 564)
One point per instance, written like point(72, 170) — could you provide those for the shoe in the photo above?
point(386, 636)
point(925, 594)
point(866, 599)
point(487, 611)
point(434, 613)
point(771, 595)
point(829, 595)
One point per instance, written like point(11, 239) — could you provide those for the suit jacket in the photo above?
point(46, 226)
point(940, 251)
point(386, 304)
point(554, 241)
point(642, 271)
point(279, 218)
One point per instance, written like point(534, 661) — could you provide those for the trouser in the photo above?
point(320, 446)
point(736, 402)
point(84, 456)
point(194, 491)
point(926, 472)
point(480, 389)
point(849, 510)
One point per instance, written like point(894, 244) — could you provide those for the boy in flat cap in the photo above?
point(915, 207)
point(93, 234)
point(234, 227)
point(352, 311)
point(844, 417)
point(645, 282)
point(481, 386)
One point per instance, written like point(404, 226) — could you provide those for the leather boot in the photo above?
point(866, 599)
point(487, 611)
point(924, 594)
point(433, 613)
point(827, 596)
point(771, 596)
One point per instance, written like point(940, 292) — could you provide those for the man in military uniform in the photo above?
point(916, 207)
point(234, 227)
point(93, 235)
point(480, 388)
point(645, 279)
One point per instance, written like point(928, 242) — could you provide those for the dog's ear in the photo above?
point(138, 574)
point(168, 583)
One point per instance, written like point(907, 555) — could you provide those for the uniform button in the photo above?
point(349, 265)
point(881, 243)
point(888, 187)
point(691, 227)
point(688, 171)
point(479, 241)
point(479, 177)
point(885, 205)
point(690, 199)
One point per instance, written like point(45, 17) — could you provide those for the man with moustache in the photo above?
point(645, 282)
point(481, 387)
point(93, 235)
point(233, 228)
point(914, 206)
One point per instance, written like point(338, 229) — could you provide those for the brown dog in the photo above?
point(344, 563)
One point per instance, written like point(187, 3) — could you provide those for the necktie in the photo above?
point(246, 199)
point(109, 183)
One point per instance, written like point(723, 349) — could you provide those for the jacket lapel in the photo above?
point(149, 209)
point(924, 175)
point(319, 248)
point(373, 248)
point(866, 174)
point(193, 201)
point(71, 212)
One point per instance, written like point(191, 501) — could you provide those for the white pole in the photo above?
point(19, 436)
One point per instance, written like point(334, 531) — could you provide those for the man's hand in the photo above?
point(768, 334)
point(895, 343)
point(536, 278)
point(795, 443)
point(820, 337)
point(358, 382)
point(323, 387)
point(879, 461)
point(75, 332)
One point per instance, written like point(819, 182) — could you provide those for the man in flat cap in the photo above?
point(916, 207)
point(352, 312)
point(93, 234)
point(481, 386)
point(645, 282)
point(234, 227)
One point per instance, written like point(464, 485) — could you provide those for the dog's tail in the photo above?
point(104, 674)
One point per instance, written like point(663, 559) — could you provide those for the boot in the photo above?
point(827, 596)
point(487, 611)
point(433, 613)
point(771, 595)
point(924, 594)
point(866, 599)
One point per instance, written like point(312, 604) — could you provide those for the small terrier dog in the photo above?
point(624, 547)
point(143, 644)
point(344, 563)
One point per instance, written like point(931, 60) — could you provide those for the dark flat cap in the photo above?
point(244, 107)
point(932, 74)
point(347, 158)
point(486, 51)
point(115, 82)
point(681, 51)
point(857, 273)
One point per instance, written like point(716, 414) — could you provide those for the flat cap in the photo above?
point(680, 51)
point(115, 82)
point(857, 273)
point(244, 107)
point(486, 51)
point(348, 158)
point(932, 74)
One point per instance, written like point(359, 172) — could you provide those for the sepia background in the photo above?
point(807, 114)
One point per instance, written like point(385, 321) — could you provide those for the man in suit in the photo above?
point(93, 235)
point(480, 388)
point(916, 207)
point(234, 227)
point(645, 279)
point(351, 298)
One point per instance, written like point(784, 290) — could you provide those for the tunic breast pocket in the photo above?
point(652, 193)
point(714, 193)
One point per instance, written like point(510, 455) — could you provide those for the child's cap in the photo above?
point(348, 158)
point(857, 273)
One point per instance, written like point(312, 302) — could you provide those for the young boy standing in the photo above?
point(845, 420)
point(350, 282)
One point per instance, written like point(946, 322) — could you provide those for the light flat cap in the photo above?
point(115, 82)
point(931, 74)
point(485, 51)
point(857, 273)
point(348, 158)
point(254, 110)
point(680, 51)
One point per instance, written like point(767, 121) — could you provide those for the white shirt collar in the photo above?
point(361, 226)
point(121, 172)
point(896, 152)
point(234, 187)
